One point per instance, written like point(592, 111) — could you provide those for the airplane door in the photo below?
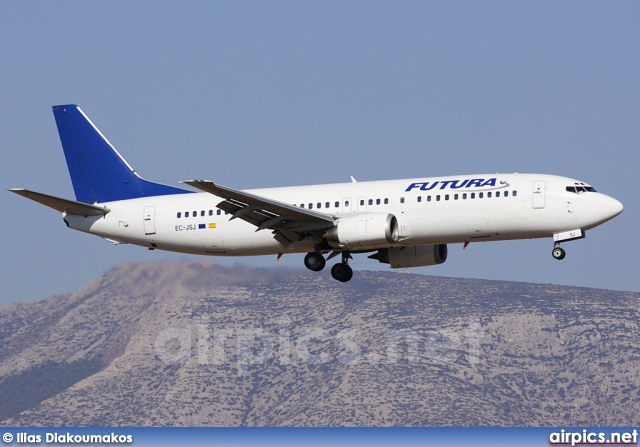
point(539, 187)
point(149, 220)
point(346, 205)
point(362, 205)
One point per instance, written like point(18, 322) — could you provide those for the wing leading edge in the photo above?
point(289, 223)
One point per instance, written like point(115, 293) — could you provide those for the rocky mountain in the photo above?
point(195, 344)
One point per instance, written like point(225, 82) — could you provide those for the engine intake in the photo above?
point(366, 230)
point(415, 256)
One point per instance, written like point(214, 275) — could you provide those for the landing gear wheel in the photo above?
point(559, 253)
point(342, 272)
point(314, 261)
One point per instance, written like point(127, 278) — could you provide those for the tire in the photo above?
point(559, 253)
point(342, 272)
point(314, 261)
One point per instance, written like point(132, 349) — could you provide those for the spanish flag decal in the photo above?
point(212, 225)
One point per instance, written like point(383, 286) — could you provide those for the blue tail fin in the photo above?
point(98, 172)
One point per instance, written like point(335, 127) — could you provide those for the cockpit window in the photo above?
point(580, 188)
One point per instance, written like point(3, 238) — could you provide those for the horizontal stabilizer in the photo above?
point(62, 205)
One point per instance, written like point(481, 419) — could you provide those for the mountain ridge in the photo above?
point(193, 343)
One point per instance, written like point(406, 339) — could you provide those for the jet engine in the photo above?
point(415, 256)
point(365, 230)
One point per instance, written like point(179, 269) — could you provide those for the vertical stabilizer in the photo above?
point(98, 172)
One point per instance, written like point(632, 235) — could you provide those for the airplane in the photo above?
point(403, 223)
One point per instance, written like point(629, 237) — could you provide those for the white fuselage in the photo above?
point(441, 210)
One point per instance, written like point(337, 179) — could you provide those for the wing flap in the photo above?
point(62, 205)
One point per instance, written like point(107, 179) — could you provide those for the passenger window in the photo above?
point(489, 194)
point(346, 203)
point(446, 197)
point(515, 193)
point(302, 205)
point(428, 198)
point(401, 199)
point(480, 195)
point(179, 215)
point(186, 214)
point(218, 212)
point(473, 195)
point(370, 201)
point(327, 204)
point(419, 198)
point(210, 212)
point(464, 196)
point(319, 205)
point(386, 201)
point(506, 193)
point(377, 201)
point(455, 197)
point(202, 213)
point(311, 206)
point(195, 214)
point(497, 193)
point(337, 204)
point(438, 198)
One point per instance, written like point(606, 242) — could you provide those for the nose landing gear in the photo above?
point(558, 252)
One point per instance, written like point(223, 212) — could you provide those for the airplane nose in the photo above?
point(597, 209)
point(609, 207)
point(614, 206)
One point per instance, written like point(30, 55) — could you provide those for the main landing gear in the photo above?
point(314, 261)
point(341, 271)
point(558, 252)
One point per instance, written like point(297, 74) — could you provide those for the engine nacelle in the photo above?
point(366, 230)
point(416, 256)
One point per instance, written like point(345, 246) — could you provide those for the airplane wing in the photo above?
point(288, 222)
point(62, 205)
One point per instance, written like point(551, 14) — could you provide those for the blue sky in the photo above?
point(254, 94)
